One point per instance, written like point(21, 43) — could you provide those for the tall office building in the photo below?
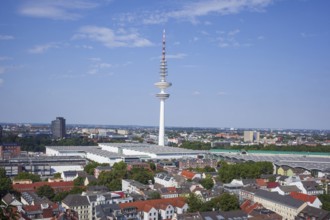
point(162, 95)
point(58, 128)
point(251, 136)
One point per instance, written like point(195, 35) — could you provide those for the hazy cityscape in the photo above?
point(92, 128)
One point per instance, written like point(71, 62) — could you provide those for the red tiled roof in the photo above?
point(122, 194)
point(32, 187)
point(187, 174)
point(156, 203)
point(303, 197)
point(271, 185)
point(261, 182)
point(248, 207)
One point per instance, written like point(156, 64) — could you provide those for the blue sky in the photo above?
point(233, 63)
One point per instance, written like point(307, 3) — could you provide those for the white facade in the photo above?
point(166, 182)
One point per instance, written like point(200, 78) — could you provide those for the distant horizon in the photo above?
point(156, 126)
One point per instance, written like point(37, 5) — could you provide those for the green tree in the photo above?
point(57, 175)
point(194, 202)
point(152, 166)
point(228, 202)
point(115, 185)
point(154, 195)
point(60, 196)
point(141, 175)
point(5, 183)
point(325, 199)
point(46, 191)
point(30, 176)
point(207, 182)
point(90, 167)
point(79, 181)
point(77, 190)
point(228, 172)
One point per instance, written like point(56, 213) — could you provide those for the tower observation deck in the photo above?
point(162, 95)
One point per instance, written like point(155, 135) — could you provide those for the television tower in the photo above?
point(162, 95)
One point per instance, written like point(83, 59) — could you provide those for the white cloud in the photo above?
point(6, 37)
point(192, 10)
point(176, 56)
point(85, 47)
point(43, 48)
point(97, 66)
point(110, 38)
point(222, 7)
point(57, 10)
point(229, 39)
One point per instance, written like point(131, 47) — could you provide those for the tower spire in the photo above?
point(162, 95)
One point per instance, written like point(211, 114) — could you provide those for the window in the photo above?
point(150, 214)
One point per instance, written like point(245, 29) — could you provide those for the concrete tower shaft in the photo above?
point(162, 95)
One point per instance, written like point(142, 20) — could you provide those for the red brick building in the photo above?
point(32, 187)
point(8, 151)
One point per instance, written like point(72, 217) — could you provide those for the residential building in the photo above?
point(311, 213)
point(58, 128)
point(251, 136)
point(165, 180)
point(143, 165)
point(311, 200)
point(130, 186)
point(10, 199)
point(286, 190)
point(8, 151)
point(107, 211)
point(217, 215)
point(168, 192)
point(197, 163)
point(309, 187)
point(286, 206)
point(32, 187)
point(154, 209)
point(79, 204)
point(189, 175)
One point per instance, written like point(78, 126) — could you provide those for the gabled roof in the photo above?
point(277, 198)
point(155, 203)
point(315, 212)
point(8, 198)
point(187, 174)
point(303, 197)
point(261, 182)
point(217, 215)
point(310, 185)
point(73, 200)
point(271, 185)
point(291, 188)
point(247, 206)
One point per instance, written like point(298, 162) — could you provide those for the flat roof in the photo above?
point(309, 163)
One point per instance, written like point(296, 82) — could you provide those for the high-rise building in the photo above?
point(251, 136)
point(58, 128)
point(162, 95)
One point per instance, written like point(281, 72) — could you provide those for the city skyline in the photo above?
point(241, 64)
